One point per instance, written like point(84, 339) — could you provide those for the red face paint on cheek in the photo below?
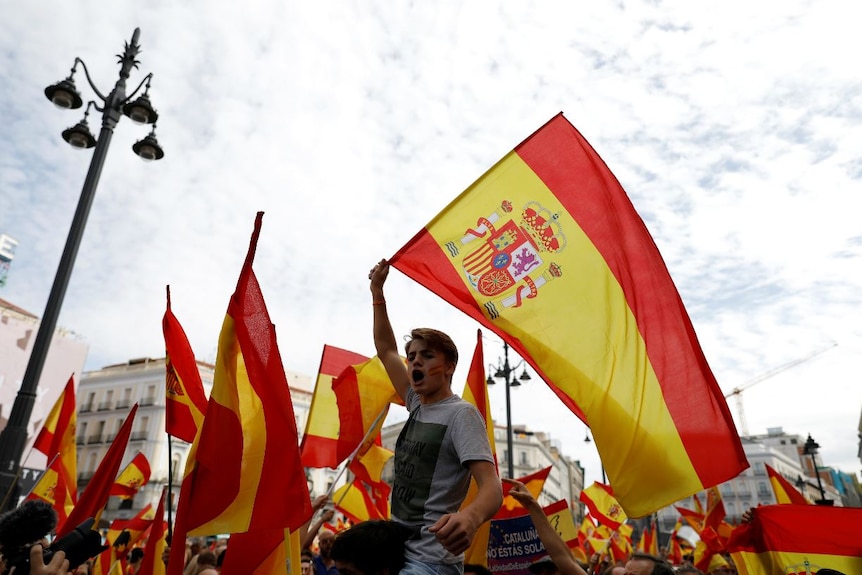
point(435, 370)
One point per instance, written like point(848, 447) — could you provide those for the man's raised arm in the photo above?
point(384, 337)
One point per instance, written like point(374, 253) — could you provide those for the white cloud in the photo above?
point(351, 124)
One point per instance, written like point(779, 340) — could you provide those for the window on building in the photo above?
point(91, 463)
point(762, 489)
point(726, 489)
point(759, 468)
point(126, 503)
point(505, 456)
point(524, 458)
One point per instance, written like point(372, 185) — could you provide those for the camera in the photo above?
point(31, 522)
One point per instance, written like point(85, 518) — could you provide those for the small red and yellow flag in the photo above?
point(603, 506)
point(784, 491)
point(134, 476)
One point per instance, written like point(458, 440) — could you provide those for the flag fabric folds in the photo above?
point(52, 490)
point(784, 491)
point(363, 393)
point(476, 393)
point(152, 563)
point(185, 401)
point(320, 440)
point(798, 539)
point(534, 482)
point(603, 505)
point(547, 251)
point(133, 477)
point(245, 472)
point(95, 495)
point(56, 440)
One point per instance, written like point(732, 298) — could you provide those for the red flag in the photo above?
point(56, 440)
point(603, 505)
point(95, 495)
point(244, 472)
point(556, 261)
point(784, 491)
point(185, 401)
point(152, 563)
point(714, 509)
point(132, 478)
point(798, 539)
point(320, 440)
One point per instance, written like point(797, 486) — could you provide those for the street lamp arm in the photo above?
point(146, 80)
point(90, 81)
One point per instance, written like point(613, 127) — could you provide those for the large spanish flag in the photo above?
point(784, 490)
point(185, 401)
point(244, 472)
point(546, 250)
point(798, 539)
point(320, 440)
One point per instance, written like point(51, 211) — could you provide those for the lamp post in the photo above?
point(65, 95)
point(810, 448)
point(505, 372)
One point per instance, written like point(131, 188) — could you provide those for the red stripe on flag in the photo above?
point(671, 343)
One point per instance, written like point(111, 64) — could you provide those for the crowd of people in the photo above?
point(442, 447)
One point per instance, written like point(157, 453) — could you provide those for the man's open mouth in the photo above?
point(417, 376)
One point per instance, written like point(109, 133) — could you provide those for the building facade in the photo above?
point(105, 398)
point(66, 356)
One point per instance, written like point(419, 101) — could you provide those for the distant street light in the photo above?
point(810, 448)
point(505, 372)
point(65, 95)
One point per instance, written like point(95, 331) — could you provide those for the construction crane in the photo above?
point(737, 391)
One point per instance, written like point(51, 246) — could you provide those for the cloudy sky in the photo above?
point(734, 127)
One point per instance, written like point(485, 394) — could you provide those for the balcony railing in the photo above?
point(80, 440)
point(86, 408)
point(138, 436)
point(148, 401)
point(97, 438)
point(123, 404)
point(106, 405)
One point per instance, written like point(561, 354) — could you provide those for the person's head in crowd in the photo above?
point(615, 570)
point(686, 569)
point(476, 569)
point(136, 555)
point(645, 564)
point(371, 548)
point(306, 558)
point(324, 543)
point(543, 566)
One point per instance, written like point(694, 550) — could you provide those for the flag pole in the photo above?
point(170, 488)
point(353, 455)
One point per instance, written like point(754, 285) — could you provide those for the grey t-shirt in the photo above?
point(431, 477)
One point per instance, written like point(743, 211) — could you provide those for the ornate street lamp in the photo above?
point(506, 372)
point(810, 448)
point(65, 95)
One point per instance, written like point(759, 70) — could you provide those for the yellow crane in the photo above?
point(737, 391)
